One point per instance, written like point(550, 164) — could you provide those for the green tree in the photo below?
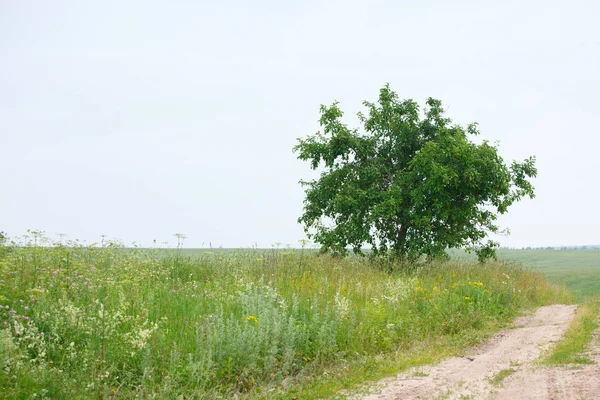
point(407, 184)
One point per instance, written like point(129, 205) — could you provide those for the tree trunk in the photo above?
point(400, 245)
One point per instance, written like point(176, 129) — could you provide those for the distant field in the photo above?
point(578, 269)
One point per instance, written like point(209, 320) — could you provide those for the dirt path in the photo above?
point(577, 383)
point(472, 376)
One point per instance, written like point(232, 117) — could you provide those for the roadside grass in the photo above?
point(107, 322)
point(572, 347)
point(356, 377)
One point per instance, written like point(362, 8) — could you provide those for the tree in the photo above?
point(408, 184)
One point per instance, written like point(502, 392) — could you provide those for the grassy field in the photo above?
point(88, 322)
point(578, 269)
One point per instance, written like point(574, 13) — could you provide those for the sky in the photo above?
point(142, 119)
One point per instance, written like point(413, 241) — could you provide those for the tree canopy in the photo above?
point(409, 183)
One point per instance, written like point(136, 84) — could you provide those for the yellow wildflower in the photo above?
point(252, 318)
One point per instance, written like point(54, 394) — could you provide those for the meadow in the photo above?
point(578, 269)
point(108, 322)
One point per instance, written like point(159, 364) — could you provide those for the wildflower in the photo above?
point(467, 298)
point(26, 308)
point(252, 318)
point(90, 287)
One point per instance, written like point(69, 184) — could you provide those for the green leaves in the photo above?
point(409, 184)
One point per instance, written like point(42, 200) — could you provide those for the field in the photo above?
point(83, 322)
point(579, 270)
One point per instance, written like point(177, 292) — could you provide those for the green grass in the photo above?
point(498, 379)
point(86, 322)
point(571, 349)
point(579, 270)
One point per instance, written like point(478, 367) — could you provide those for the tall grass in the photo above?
point(102, 322)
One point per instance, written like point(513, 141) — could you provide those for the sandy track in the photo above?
point(572, 383)
point(470, 376)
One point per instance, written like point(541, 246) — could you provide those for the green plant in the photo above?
point(109, 322)
point(3, 240)
point(406, 185)
point(497, 379)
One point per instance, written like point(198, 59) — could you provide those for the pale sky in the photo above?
point(141, 119)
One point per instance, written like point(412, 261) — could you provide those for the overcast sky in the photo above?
point(141, 119)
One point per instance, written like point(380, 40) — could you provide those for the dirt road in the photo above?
point(508, 355)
